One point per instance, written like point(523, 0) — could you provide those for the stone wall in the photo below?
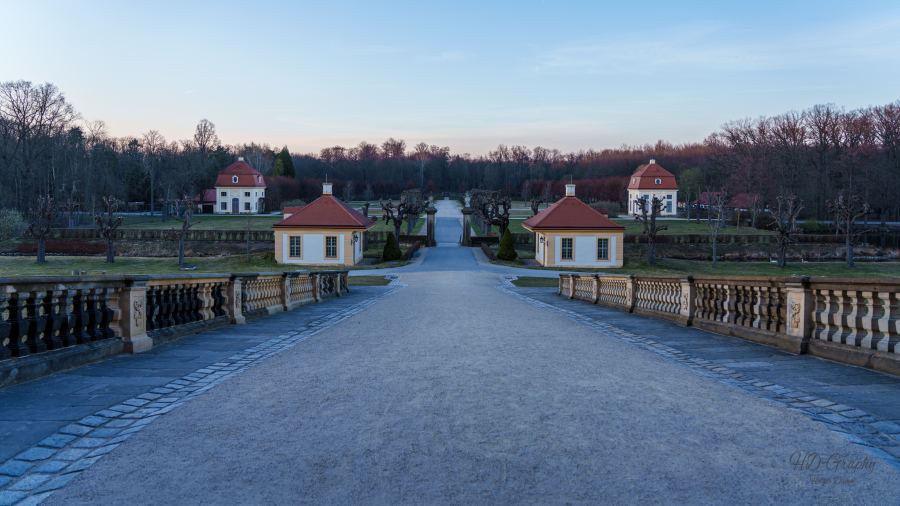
point(855, 321)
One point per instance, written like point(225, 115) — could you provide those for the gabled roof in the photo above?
point(570, 213)
point(326, 212)
point(652, 176)
point(247, 176)
point(206, 196)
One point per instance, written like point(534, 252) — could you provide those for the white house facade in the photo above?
point(652, 180)
point(240, 189)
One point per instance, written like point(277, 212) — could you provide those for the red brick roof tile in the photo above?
point(248, 177)
point(644, 178)
point(570, 213)
point(326, 212)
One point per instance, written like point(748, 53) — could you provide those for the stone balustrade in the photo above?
point(103, 315)
point(848, 320)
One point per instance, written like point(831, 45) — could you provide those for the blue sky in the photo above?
point(469, 75)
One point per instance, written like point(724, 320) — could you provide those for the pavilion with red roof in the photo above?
point(240, 189)
point(324, 232)
point(652, 180)
point(570, 233)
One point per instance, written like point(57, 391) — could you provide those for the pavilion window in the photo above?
point(602, 249)
point(567, 249)
point(296, 246)
point(331, 246)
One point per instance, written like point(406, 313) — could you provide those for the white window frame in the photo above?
point(299, 246)
point(335, 238)
point(603, 240)
point(562, 249)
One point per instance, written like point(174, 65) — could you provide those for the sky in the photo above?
point(468, 75)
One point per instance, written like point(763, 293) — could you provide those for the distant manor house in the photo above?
point(240, 189)
point(651, 180)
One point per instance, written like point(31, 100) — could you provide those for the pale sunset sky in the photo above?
point(468, 75)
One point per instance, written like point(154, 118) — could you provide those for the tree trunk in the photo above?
point(782, 255)
point(715, 255)
point(181, 251)
point(397, 231)
point(651, 251)
point(110, 251)
point(42, 250)
point(848, 244)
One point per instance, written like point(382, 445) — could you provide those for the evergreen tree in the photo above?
point(284, 164)
point(391, 249)
point(507, 249)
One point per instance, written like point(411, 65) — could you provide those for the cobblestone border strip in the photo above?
point(879, 438)
point(34, 474)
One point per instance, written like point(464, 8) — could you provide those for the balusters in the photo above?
point(4, 325)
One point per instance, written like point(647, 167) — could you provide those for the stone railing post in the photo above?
point(429, 222)
point(132, 321)
point(233, 305)
point(800, 310)
point(285, 291)
point(595, 289)
point(687, 300)
point(314, 277)
point(630, 284)
point(467, 226)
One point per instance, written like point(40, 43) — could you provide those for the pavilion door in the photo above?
point(235, 206)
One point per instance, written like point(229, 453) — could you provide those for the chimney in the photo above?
point(240, 158)
point(326, 188)
point(652, 161)
point(570, 190)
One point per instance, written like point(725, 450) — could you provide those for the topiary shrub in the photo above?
point(507, 249)
point(12, 224)
point(391, 250)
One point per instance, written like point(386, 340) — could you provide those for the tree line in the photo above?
point(47, 148)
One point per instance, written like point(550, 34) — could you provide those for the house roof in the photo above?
point(247, 176)
point(291, 210)
point(570, 213)
point(206, 196)
point(652, 176)
point(325, 212)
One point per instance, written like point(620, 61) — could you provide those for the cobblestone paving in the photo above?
point(35, 473)
point(879, 435)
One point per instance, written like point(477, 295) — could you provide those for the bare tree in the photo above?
point(185, 208)
point(717, 222)
point(650, 209)
point(152, 143)
point(847, 209)
point(785, 223)
point(392, 215)
point(39, 228)
point(536, 205)
point(108, 223)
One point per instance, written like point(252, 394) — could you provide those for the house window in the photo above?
point(246, 194)
point(224, 194)
point(567, 248)
point(296, 250)
point(246, 206)
point(602, 249)
point(223, 206)
point(330, 246)
point(234, 179)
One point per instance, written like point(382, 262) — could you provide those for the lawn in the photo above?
point(535, 282)
point(369, 280)
point(67, 265)
point(212, 222)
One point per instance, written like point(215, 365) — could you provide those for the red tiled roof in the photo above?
point(291, 210)
point(326, 212)
point(644, 178)
point(206, 196)
point(570, 213)
point(246, 174)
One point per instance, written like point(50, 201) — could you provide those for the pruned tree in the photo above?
point(536, 205)
point(715, 221)
point(39, 227)
point(847, 209)
point(788, 208)
point(492, 209)
point(411, 207)
point(184, 207)
point(392, 215)
point(108, 224)
point(650, 208)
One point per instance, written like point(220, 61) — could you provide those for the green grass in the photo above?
point(633, 227)
point(369, 280)
point(65, 265)
point(203, 222)
point(534, 282)
point(382, 226)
